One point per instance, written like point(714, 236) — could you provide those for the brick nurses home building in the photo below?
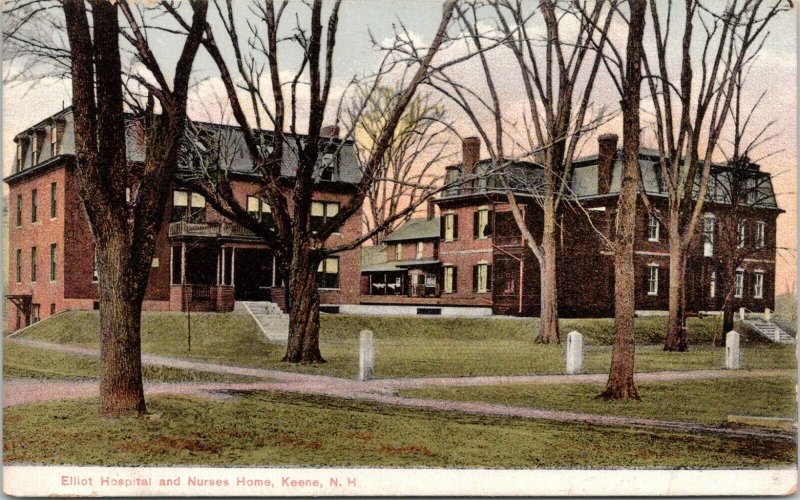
point(472, 260)
point(202, 261)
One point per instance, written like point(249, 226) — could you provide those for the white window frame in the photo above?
point(483, 277)
point(54, 149)
point(653, 228)
point(738, 284)
point(652, 279)
point(758, 284)
point(449, 226)
point(712, 286)
point(708, 234)
point(761, 233)
point(448, 279)
point(741, 234)
point(420, 250)
point(398, 252)
point(483, 223)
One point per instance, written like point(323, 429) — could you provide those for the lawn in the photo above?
point(20, 361)
point(704, 401)
point(276, 429)
point(410, 347)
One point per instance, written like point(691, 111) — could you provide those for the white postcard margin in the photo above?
point(23, 480)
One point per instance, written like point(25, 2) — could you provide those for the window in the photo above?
point(451, 181)
point(712, 286)
point(54, 150)
point(177, 266)
point(652, 280)
point(709, 222)
point(35, 149)
point(52, 309)
point(53, 200)
point(322, 212)
point(20, 156)
point(53, 260)
point(738, 291)
point(19, 210)
point(36, 313)
point(328, 163)
point(758, 285)
point(188, 206)
point(34, 206)
point(450, 275)
point(19, 265)
point(398, 251)
point(450, 227)
point(481, 278)
point(328, 273)
point(481, 224)
point(420, 250)
point(95, 275)
point(33, 264)
point(752, 191)
point(653, 228)
point(260, 210)
point(741, 230)
point(761, 230)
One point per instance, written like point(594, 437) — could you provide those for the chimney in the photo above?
point(471, 154)
point(431, 210)
point(607, 153)
point(329, 132)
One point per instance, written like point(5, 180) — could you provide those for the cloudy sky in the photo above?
point(363, 20)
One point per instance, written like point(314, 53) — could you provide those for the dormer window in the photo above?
point(54, 144)
point(36, 149)
point(20, 163)
point(328, 172)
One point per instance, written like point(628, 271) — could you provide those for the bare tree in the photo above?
point(419, 144)
point(256, 60)
point(124, 227)
point(558, 72)
point(690, 112)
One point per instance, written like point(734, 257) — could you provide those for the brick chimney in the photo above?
point(607, 153)
point(471, 154)
point(431, 210)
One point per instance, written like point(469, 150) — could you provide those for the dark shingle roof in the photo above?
point(416, 229)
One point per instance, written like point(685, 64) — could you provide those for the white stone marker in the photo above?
point(767, 314)
point(741, 314)
point(733, 357)
point(366, 356)
point(574, 353)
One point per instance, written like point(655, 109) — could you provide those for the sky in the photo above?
point(362, 21)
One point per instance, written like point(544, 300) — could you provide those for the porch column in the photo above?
point(222, 273)
point(274, 270)
point(183, 263)
point(219, 250)
point(233, 266)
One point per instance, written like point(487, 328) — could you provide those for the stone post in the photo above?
point(733, 356)
point(366, 356)
point(767, 314)
point(741, 314)
point(574, 353)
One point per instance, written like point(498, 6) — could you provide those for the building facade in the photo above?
point(479, 264)
point(202, 261)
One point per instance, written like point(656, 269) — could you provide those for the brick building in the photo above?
point(202, 261)
point(471, 259)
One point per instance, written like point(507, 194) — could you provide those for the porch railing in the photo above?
point(209, 230)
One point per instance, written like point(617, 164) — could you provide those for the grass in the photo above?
point(20, 361)
point(704, 401)
point(405, 347)
point(276, 429)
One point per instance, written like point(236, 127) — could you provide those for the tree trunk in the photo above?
point(676, 329)
point(303, 343)
point(620, 383)
point(121, 388)
point(548, 328)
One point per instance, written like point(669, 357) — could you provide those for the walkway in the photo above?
point(382, 391)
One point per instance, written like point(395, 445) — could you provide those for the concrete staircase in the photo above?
point(273, 322)
point(770, 330)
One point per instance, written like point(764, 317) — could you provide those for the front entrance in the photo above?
point(252, 274)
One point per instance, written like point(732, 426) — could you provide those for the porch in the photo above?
point(399, 279)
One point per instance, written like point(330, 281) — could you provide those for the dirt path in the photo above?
point(17, 392)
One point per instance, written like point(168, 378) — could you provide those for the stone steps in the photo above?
point(272, 322)
point(771, 331)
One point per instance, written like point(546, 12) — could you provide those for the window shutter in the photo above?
point(475, 279)
point(455, 279)
point(442, 220)
point(490, 224)
point(646, 280)
point(475, 219)
point(455, 226)
point(489, 278)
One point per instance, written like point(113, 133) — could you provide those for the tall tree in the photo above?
point(620, 383)
point(258, 60)
point(558, 74)
point(690, 112)
point(124, 228)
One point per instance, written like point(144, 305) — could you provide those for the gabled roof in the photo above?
point(416, 229)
